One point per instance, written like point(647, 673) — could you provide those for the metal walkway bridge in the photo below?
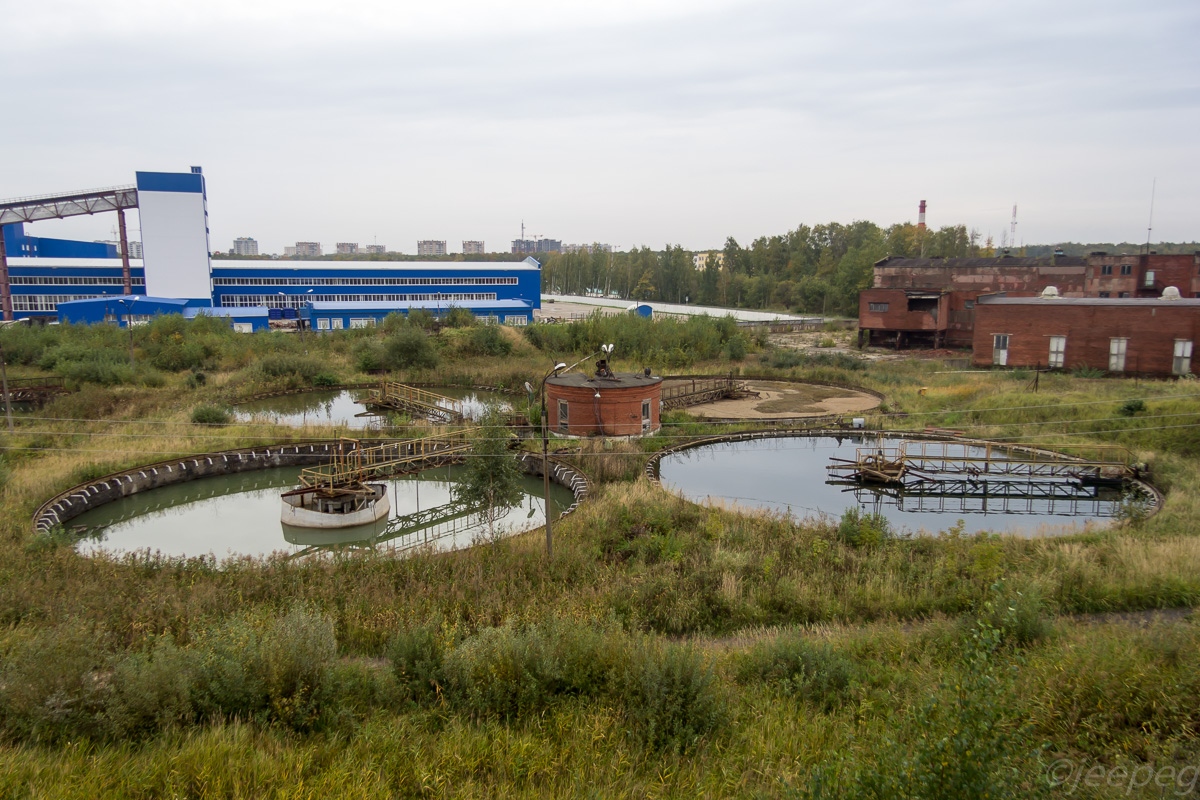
point(916, 461)
point(698, 391)
point(401, 397)
point(354, 464)
point(400, 533)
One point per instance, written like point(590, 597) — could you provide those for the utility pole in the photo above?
point(4, 380)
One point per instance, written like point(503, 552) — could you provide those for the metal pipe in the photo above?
point(546, 461)
point(126, 275)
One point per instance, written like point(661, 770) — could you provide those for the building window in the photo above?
point(1058, 351)
point(323, 323)
point(336, 322)
point(1122, 294)
point(1116, 354)
point(1149, 278)
point(362, 322)
point(645, 415)
point(515, 319)
point(968, 304)
point(1106, 269)
point(1181, 364)
point(1106, 294)
point(1127, 269)
point(1000, 349)
point(877, 307)
point(243, 327)
point(562, 415)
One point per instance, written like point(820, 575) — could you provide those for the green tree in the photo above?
point(491, 480)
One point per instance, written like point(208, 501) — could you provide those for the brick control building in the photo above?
point(1144, 336)
point(932, 302)
point(615, 404)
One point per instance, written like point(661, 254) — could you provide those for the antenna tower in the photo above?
point(1012, 228)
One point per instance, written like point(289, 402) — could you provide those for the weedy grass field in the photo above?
point(667, 650)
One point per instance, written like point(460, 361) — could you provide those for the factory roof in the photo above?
point(617, 381)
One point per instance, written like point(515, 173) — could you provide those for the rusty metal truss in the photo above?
point(68, 204)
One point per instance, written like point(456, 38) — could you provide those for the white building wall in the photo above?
point(174, 238)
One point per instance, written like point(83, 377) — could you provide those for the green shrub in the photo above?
point(672, 699)
point(420, 318)
point(325, 379)
point(863, 529)
point(283, 365)
point(266, 669)
point(488, 340)
point(50, 683)
point(211, 415)
point(1088, 372)
point(459, 317)
point(151, 691)
point(417, 658)
point(410, 348)
point(101, 373)
point(1131, 408)
point(816, 673)
point(1018, 617)
point(369, 355)
point(736, 348)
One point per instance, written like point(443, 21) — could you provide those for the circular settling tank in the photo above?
point(344, 407)
point(790, 475)
point(238, 515)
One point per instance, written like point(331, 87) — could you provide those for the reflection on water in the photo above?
point(239, 515)
point(344, 407)
point(790, 475)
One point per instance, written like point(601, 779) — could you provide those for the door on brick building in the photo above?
point(1058, 351)
point(1000, 349)
point(1181, 364)
point(645, 416)
point(1116, 354)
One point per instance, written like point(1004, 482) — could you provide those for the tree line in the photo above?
point(812, 269)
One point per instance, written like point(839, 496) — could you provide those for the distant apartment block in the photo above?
point(347, 248)
point(308, 249)
point(588, 248)
point(431, 247)
point(245, 246)
point(537, 245)
point(289, 251)
point(700, 260)
point(135, 248)
point(375, 249)
point(473, 248)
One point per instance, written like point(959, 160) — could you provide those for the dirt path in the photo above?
point(783, 400)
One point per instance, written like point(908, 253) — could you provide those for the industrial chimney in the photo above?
point(921, 216)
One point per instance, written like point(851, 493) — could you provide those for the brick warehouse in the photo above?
point(1134, 336)
point(931, 302)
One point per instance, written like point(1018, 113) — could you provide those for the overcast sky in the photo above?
point(629, 121)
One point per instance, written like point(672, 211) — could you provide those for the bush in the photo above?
point(488, 340)
point(410, 348)
point(859, 529)
point(271, 670)
point(1131, 408)
point(325, 379)
point(420, 318)
point(50, 683)
point(196, 380)
point(151, 691)
point(101, 373)
point(417, 660)
point(816, 673)
point(369, 355)
point(736, 348)
point(211, 415)
point(671, 697)
point(459, 317)
point(284, 365)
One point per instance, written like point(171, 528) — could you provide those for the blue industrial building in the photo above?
point(86, 281)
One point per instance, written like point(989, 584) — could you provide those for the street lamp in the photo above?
point(546, 458)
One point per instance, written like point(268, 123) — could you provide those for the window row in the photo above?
point(364, 281)
point(72, 280)
point(1118, 347)
point(297, 300)
point(1107, 269)
point(45, 302)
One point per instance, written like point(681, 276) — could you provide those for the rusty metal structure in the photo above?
point(393, 396)
point(61, 206)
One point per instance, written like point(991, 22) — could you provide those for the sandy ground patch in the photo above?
point(782, 400)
